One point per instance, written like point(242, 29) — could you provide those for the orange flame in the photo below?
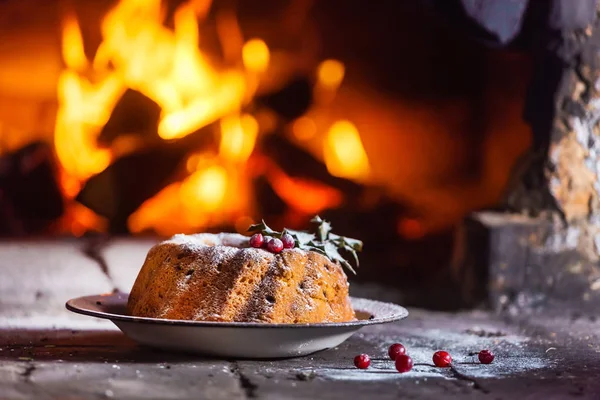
point(72, 48)
point(307, 196)
point(238, 136)
point(209, 195)
point(255, 55)
point(344, 152)
point(169, 66)
point(205, 189)
point(139, 52)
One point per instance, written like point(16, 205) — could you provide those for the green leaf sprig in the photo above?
point(323, 241)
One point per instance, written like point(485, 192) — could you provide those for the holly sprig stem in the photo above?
point(322, 241)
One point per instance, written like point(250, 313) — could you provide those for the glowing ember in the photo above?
point(308, 197)
point(411, 228)
point(78, 220)
point(304, 128)
point(331, 73)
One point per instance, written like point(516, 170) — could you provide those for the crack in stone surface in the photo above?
point(246, 384)
point(93, 250)
point(26, 374)
point(475, 383)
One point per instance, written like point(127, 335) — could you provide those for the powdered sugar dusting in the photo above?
point(199, 240)
point(513, 357)
point(225, 246)
point(514, 363)
point(385, 370)
point(209, 239)
point(380, 370)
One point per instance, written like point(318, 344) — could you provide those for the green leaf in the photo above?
point(315, 244)
point(323, 228)
point(322, 241)
point(347, 265)
point(346, 241)
point(302, 238)
point(352, 252)
point(354, 243)
point(318, 250)
point(263, 228)
point(316, 220)
point(333, 254)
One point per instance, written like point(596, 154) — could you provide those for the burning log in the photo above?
point(293, 181)
point(291, 101)
point(134, 114)
point(297, 162)
point(121, 188)
point(269, 205)
point(26, 176)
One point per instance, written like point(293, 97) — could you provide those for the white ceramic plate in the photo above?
point(234, 339)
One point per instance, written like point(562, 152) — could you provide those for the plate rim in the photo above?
point(400, 314)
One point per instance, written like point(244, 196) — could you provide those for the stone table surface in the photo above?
point(48, 353)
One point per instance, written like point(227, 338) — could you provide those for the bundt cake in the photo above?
point(219, 277)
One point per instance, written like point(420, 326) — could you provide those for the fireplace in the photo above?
point(395, 122)
point(457, 138)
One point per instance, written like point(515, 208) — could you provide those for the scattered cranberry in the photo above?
point(395, 350)
point(442, 359)
point(288, 241)
point(275, 245)
point(486, 357)
point(257, 240)
point(362, 361)
point(403, 363)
